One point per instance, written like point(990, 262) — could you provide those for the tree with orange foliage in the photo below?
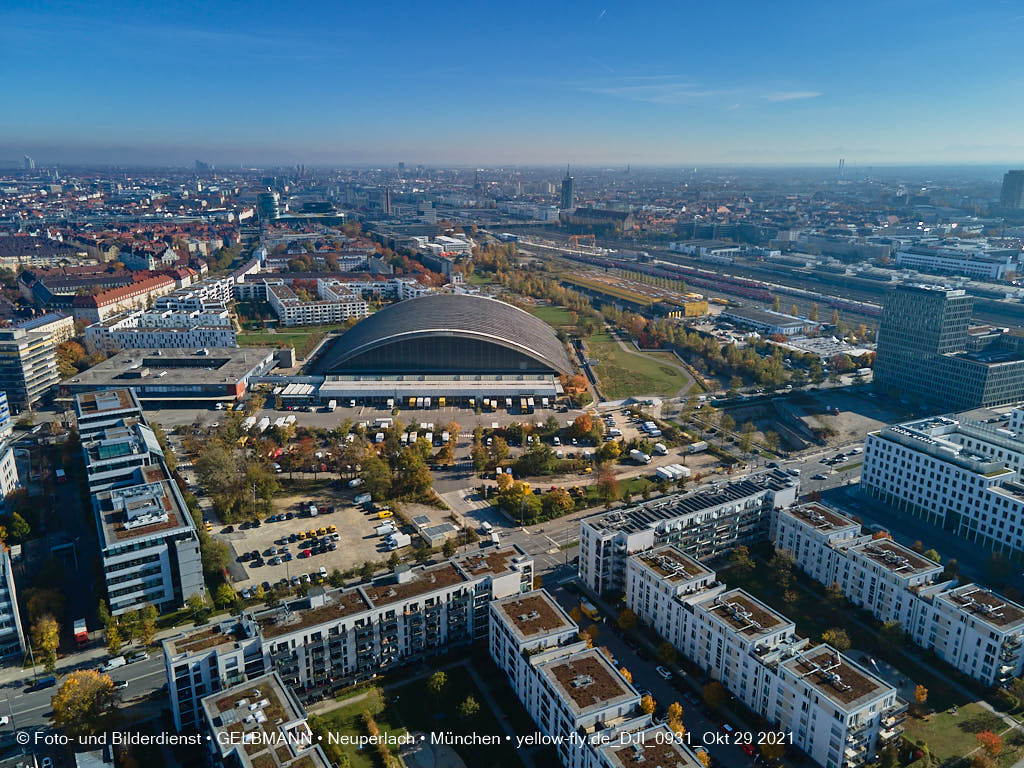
point(990, 742)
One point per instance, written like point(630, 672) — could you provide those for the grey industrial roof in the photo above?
point(453, 315)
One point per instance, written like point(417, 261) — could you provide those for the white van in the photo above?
point(114, 663)
point(487, 527)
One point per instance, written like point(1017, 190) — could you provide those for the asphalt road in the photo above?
point(30, 710)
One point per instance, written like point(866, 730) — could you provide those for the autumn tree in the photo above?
point(437, 682)
point(647, 705)
point(675, 711)
point(920, 696)
point(626, 674)
point(45, 639)
point(627, 620)
point(607, 485)
point(714, 694)
point(469, 708)
point(990, 742)
point(837, 638)
point(83, 703)
point(114, 640)
point(667, 653)
point(740, 562)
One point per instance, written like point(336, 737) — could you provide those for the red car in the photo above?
point(748, 749)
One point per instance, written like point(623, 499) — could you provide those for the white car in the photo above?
point(663, 673)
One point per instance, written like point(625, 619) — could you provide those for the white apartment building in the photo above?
point(573, 693)
point(703, 524)
point(811, 533)
point(976, 631)
point(955, 474)
point(291, 310)
point(61, 327)
point(163, 330)
point(838, 713)
point(260, 724)
point(10, 480)
point(657, 577)
point(333, 638)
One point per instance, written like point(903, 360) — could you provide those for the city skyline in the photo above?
point(585, 83)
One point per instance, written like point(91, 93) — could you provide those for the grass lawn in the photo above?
point(347, 720)
point(478, 278)
point(303, 338)
point(950, 736)
point(622, 373)
point(552, 315)
point(419, 710)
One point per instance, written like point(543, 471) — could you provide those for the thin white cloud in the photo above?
point(655, 89)
point(790, 95)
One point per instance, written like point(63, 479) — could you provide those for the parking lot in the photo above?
point(356, 541)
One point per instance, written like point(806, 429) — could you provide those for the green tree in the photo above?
point(114, 641)
point(376, 475)
point(449, 548)
point(225, 596)
point(891, 633)
point(932, 555)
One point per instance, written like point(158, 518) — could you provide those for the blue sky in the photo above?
point(513, 82)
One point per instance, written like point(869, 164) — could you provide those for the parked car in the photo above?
point(663, 673)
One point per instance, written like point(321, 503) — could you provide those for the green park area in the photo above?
point(621, 373)
point(557, 317)
point(303, 338)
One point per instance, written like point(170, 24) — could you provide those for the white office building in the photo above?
point(956, 474)
point(978, 263)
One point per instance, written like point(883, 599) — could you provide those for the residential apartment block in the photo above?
point(703, 524)
point(59, 326)
point(332, 638)
point(972, 629)
point(956, 474)
point(837, 712)
point(260, 724)
point(335, 305)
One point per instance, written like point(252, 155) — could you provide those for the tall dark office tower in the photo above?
point(568, 192)
point(385, 200)
point(1012, 195)
point(919, 323)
